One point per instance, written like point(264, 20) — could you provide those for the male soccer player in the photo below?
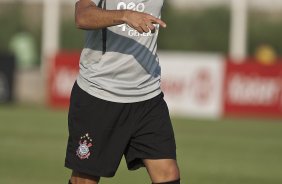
point(117, 107)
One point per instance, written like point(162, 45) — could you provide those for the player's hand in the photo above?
point(142, 22)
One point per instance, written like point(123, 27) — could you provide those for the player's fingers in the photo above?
point(158, 21)
point(145, 28)
point(139, 29)
point(150, 25)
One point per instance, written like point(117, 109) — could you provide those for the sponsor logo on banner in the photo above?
point(251, 88)
point(63, 82)
point(62, 75)
point(200, 86)
point(192, 84)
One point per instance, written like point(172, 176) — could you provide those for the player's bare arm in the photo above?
point(89, 16)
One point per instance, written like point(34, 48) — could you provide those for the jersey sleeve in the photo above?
point(94, 1)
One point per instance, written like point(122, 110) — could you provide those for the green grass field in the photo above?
point(227, 151)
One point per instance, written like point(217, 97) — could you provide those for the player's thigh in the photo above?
point(162, 170)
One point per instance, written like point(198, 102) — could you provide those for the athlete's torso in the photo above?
point(129, 70)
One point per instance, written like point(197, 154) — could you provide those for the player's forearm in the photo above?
point(89, 16)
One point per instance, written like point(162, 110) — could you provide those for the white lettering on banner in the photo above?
point(63, 82)
point(173, 86)
point(253, 90)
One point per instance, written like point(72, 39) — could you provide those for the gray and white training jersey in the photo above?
point(119, 64)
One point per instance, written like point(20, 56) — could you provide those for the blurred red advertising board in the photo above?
point(62, 75)
point(251, 88)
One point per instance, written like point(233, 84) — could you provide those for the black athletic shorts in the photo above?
point(101, 132)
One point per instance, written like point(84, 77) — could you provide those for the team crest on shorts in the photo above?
point(83, 151)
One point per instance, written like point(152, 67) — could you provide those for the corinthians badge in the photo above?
point(83, 151)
